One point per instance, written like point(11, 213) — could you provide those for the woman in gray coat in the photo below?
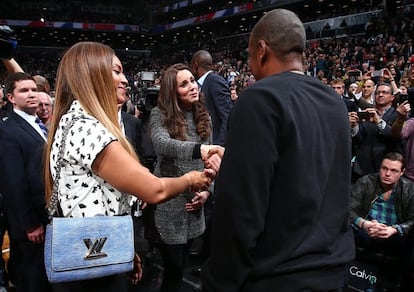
point(180, 131)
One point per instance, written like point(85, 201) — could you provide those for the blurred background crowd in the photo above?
point(341, 35)
point(347, 41)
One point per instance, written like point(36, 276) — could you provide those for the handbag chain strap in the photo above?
point(53, 208)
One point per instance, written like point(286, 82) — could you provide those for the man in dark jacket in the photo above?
point(382, 210)
point(216, 92)
point(280, 221)
point(374, 192)
point(217, 98)
point(22, 142)
point(380, 134)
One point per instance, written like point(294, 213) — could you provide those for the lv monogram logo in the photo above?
point(94, 248)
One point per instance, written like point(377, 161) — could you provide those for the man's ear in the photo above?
point(10, 97)
point(262, 52)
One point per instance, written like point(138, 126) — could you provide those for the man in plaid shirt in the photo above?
point(382, 209)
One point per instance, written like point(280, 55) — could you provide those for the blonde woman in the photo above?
point(100, 168)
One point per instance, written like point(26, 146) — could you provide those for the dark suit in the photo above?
point(133, 132)
point(350, 105)
point(218, 102)
point(371, 144)
point(21, 183)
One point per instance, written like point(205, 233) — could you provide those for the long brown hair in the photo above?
point(85, 74)
point(169, 104)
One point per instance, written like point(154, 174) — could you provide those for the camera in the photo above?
point(364, 116)
point(146, 99)
point(402, 97)
point(8, 42)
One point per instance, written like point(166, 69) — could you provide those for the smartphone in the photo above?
point(364, 116)
point(377, 73)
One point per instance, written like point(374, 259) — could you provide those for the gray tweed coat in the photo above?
point(174, 158)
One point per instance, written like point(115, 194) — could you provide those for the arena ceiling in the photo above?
point(41, 32)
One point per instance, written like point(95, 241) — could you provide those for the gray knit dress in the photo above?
point(174, 158)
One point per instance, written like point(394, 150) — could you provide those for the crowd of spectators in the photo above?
point(327, 58)
point(385, 44)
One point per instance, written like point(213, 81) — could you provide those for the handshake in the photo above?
point(211, 155)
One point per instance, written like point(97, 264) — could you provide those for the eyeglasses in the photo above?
point(382, 92)
point(337, 87)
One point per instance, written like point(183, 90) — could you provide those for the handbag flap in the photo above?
point(91, 241)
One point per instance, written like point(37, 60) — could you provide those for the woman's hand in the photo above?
point(198, 201)
point(199, 180)
point(136, 275)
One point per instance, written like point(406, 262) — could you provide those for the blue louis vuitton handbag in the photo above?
point(88, 247)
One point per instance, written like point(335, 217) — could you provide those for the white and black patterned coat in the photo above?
point(81, 192)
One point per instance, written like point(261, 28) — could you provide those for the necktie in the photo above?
point(42, 127)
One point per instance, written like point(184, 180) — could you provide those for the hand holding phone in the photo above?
point(377, 73)
point(364, 116)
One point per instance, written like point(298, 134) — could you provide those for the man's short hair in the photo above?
point(283, 32)
point(337, 81)
point(387, 85)
point(395, 156)
point(16, 77)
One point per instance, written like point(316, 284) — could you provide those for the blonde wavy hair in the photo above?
point(85, 74)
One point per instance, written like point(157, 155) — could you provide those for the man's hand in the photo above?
point(136, 274)
point(403, 109)
point(214, 157)
point(353, 119)
point(204, 149)
point(378, 230)
point(375, 118)
point(216, 150)
point(36, 235)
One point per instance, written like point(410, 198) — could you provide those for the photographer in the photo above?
point(147, 100)
point(377, 133)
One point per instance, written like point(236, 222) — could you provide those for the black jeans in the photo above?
point(395, 256)
point(174, 257)
point(396, 245)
